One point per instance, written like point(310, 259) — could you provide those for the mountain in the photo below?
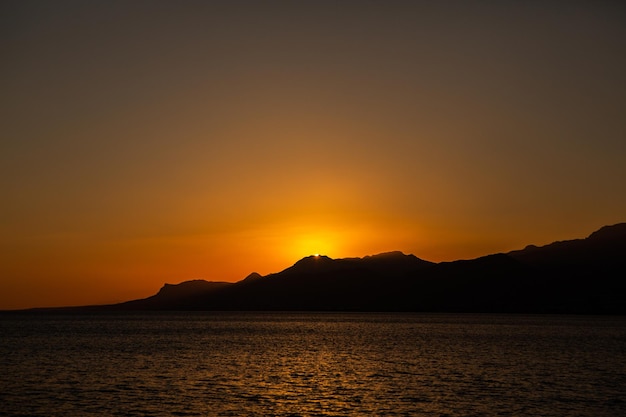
point(174, 296)
point(585, 276)
point(312, 283)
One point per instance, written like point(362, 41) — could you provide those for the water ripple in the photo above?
point(250, 364)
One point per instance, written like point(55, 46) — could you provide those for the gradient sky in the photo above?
point(161, 141)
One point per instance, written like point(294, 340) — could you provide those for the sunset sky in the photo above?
point(144, 142)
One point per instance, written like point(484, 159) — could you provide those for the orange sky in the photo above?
point(152, 142)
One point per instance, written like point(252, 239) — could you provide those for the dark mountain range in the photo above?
point(585, 276)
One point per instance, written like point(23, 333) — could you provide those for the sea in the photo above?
point(311, 364)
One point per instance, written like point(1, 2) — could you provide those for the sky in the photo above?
point(147, 142)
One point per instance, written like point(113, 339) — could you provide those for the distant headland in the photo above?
point(581, 276)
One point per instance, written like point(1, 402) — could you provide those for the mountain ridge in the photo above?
point(584, 276)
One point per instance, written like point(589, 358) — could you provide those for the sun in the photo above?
point(314, 243)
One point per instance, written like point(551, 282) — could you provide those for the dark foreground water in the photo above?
point(251, 364)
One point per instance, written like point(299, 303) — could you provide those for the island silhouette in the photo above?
point(582, 276)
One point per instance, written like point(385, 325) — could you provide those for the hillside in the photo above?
point(585, 276)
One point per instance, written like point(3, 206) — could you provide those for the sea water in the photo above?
point(311, 364)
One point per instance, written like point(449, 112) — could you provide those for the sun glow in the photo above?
point(316, 242)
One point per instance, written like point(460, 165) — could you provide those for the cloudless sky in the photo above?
point(144, 142)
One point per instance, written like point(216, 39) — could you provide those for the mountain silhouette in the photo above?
point(584, 276)
point(175, 296)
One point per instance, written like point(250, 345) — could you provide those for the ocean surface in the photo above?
point(311, 364)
